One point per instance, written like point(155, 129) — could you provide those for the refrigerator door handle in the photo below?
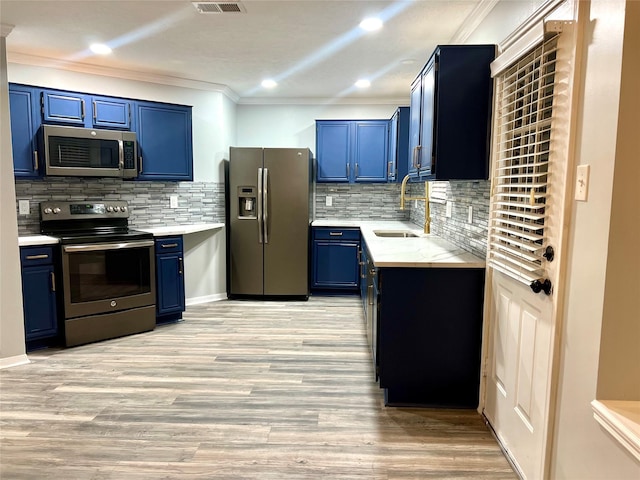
point(259, 206)
point(265, 204)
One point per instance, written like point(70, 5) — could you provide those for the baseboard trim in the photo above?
point(206, 299)
point(14, 361)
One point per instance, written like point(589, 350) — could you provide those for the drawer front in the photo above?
point(32, 256)
point(336, 234)
point(168, 245)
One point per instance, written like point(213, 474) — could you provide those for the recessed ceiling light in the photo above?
point(370, 24)
point(269, 83)
point(100, 48)
point(408, 61)
point(363, 83)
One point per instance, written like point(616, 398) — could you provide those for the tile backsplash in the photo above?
point(362, 201)
point(471, 237)
point(198, 202)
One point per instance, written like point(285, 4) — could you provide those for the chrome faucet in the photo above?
point(427, 213)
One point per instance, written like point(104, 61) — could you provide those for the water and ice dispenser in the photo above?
point(247, 202)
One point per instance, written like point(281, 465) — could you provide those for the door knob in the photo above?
point(541, 286)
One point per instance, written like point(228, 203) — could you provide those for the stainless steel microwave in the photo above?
point(89, 152)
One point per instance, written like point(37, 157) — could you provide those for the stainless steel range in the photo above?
point(108, 270)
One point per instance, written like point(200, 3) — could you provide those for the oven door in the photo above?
point(108, 277)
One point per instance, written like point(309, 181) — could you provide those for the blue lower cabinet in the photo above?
point(335, 254)
point(170, 296)
point(39, 296)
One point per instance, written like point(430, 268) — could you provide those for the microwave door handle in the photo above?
point(120, 155)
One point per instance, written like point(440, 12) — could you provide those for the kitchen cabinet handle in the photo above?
point(389, 171)
point(181, 266)
point(53, 282)
point(94, 108)
point(82, 107)
point(169, 245)
point(356, 170)
point(335, 234)
point(370, 294)
point(359, 252)
point(140, 163)
point(348, 172)
point(418, 148)
point(363, 276)
point(35, 157)
point(37, 257)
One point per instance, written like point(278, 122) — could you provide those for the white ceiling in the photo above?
point(313, 48)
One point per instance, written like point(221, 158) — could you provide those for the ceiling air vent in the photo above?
point(219, 7)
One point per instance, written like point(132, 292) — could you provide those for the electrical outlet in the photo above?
point(470, 218)
point(173, 201)
point(328, 201)
point(582, 183)
point(23, 207)
point(448, 207)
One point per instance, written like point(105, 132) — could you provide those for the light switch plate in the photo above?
point(582, 183)
point(448, 207)
point(173, 201)
point(328, 201)
point(23, 207)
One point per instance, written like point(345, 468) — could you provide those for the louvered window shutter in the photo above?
point(524, 109)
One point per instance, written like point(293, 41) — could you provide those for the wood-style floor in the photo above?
point(239, 390)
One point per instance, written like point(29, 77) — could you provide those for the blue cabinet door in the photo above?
point(170, 296)
point(371, 150)
point(335, 265)
point(39, 298)
point(414, 127)
point(398, 145)
point(66, 108)
point(427, 133)
point(333, 148)
point(38, 293)
point(111, 112)
point(165, 141)
point(23, 106)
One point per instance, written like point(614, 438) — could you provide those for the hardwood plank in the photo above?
point(238, 390)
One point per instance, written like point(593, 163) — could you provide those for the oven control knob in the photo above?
point(48, 210)
point(56, 210)
point(123, 208)
point(116, 208)
point(109, 208)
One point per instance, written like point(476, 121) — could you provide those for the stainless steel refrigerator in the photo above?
point(269, 212)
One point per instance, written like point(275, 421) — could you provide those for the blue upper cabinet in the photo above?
point(111, 112)
point(81, 110)
point(398, 145)
point(352, 150)
point(333, 147)
point(451, 114)
point(371, 149)
point(23, 108)
point(165, 141)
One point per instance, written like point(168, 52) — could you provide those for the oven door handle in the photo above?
point(94, 247)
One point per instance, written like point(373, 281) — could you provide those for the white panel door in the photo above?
point(529, 204)
point(519, 374)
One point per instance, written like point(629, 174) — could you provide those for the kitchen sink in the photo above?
point(394, 233)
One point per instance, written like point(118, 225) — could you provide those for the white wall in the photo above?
point(581, 449)
point(204, 264)
point(12, 347)
point(213, 120)
point(294, 125)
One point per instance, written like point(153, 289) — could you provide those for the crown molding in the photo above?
point(33, 60)
point(5, 29)
point(469, 25)
point(323, 101)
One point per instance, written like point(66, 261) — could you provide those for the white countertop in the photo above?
point(423, 251)
point(32, 240)
point(180, 229)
